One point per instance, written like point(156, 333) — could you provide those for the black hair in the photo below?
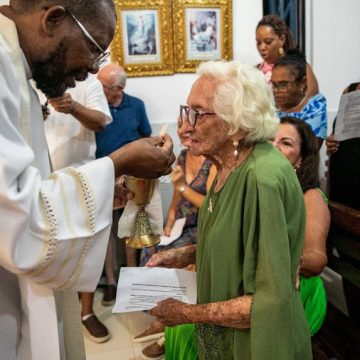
point(295, 61)
point(308, 172)
point(280, 28)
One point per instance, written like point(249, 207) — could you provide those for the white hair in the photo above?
point(243, 99)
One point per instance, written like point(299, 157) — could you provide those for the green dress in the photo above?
point(250, 243)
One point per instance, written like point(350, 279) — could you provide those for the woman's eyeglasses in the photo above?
point(283, 86)
point(190, 114)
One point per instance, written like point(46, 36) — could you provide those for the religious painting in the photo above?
point(143, 38)
point(203, 32)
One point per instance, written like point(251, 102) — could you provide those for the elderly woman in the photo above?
point(289, 84)
point(273, 41)
point(251, 225)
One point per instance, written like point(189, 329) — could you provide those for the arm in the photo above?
point(311, 82)
point(314, 256)
point(91, 119)
point(170, 220)
point(234, 313)
point(331, 144)
point(181, 187)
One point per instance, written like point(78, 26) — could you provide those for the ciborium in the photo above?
point(142, 234)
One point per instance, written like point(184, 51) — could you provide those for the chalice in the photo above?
point(142, 234)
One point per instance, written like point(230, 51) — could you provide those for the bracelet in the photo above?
point(182, 188)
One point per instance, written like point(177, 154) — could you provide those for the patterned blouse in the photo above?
point(314, 113)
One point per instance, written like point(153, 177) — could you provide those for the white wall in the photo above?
point(333, 33)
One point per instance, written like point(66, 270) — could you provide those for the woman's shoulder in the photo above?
point(268, 164)
point(315, 194)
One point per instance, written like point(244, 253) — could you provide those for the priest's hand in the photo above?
point(144, 158)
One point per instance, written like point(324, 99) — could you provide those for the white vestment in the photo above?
point(54, 228)
point(71, 143)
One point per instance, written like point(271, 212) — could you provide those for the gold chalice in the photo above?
point(142, 234)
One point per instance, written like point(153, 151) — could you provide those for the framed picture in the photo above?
point(202, 31)
point(143, 39)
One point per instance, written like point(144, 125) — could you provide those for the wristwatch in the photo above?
point(182, 188)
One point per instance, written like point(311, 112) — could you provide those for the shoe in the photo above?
point(109, 295)
point(150, 333)
point(95, 330)
point(155, 351)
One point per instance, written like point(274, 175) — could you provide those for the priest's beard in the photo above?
point(49, 74)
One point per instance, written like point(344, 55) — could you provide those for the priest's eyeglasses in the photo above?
point(191, 115)
point(99, 60)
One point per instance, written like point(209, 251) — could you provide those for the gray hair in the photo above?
point(243, 99)
point(120, 78)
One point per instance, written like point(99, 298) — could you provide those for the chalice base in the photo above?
point(143, 236)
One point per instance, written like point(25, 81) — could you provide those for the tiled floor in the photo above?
point(122, 328)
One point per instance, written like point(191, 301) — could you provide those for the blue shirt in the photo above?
point(129, 123)
point(314, 113)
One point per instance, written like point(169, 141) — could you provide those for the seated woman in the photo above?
point(273, 41)
point(192, 177)
point(289, 86)
point(297, 142)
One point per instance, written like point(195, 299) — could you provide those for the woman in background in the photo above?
point(289, 83)
point(273, 40)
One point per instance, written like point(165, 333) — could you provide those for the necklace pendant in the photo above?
point(210, 208)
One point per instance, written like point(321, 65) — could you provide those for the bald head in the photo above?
point(112, 75)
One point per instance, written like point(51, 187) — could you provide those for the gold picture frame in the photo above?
point(202, 32)
point(143, 42)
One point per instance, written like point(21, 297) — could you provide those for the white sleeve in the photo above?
point(53, 231)
point(95, 98)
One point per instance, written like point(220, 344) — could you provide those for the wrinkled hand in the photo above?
point(64, 104)
point(331, 144)
point(173, 258)
point(145, 158)
point(121, 193)
point(178, 177)
point(172, 312)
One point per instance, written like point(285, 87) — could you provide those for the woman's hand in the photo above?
point(172, 312)
point(331, 144)
point(178, 177)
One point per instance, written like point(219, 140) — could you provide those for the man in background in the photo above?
point(70, 130)
point(130, 123)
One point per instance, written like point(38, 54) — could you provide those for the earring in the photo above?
point(281, 51)
point(235, 145)
point(297, 165)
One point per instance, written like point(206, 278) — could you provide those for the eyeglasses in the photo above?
point(190, 114)
point(282, 86)
point(112, 88)
point(99, 60)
